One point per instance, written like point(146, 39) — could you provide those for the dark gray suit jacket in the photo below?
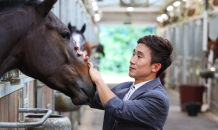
point(146, 109)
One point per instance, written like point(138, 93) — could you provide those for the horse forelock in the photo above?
point(9, 5)
point(81, 34)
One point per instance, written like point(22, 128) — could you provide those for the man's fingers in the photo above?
point(87, 59)
point(81, 53)
point(90, 64)
point(77, 47)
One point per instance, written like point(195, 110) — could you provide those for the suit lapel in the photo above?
point(146, 87)
point(121, 93)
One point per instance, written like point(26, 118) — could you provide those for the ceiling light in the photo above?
point(159, 19)
point(184, 0)
point(95, 8)
point(164, 16)
point(212, 69)
point(94, 3)
point(177, 3)
point(130, 8)
point(169, 8)
point(97, 17)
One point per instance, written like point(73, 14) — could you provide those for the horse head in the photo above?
point(35, 41)
point(100, 49)
point(77, 35)
point(212, 47)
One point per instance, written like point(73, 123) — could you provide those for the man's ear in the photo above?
point(155, 67)
point(44, 7)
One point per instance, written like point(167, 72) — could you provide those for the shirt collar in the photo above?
point(139, 84)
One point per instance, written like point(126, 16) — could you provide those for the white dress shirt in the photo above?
point(132, 89)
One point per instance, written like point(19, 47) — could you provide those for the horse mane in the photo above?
point(9, 5)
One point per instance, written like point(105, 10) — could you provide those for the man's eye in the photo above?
point(65, 35)
point(139, 57)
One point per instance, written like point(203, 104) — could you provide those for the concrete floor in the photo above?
point(93, 119)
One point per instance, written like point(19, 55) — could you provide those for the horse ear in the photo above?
point(209, 39)
point(44, 7)
point(69, 26)
point(83, 28)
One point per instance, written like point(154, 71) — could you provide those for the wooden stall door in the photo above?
point(9, 108)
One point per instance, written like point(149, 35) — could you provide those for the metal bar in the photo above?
point(25, 125)
point(204, 46)
point(206, 4)
point(185, 42)
point(214, 12)
point(53, 100)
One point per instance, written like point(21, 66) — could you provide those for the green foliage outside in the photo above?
point(119, 42)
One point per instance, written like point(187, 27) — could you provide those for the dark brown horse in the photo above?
point(35, 41)
point(212, 47)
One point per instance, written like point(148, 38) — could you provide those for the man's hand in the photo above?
point(81, 53)
point(94, 74)
point(105, 93)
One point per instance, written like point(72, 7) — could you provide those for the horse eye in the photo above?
point(65, 35)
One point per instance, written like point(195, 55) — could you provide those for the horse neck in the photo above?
point(13, 27)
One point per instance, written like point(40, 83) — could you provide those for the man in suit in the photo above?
point(142, 104)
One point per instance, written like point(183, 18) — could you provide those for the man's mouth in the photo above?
point(131, 68)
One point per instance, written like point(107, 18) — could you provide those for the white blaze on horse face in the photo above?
point(79, 40)
point(211, 55)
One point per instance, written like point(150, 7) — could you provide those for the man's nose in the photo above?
point(132, 61)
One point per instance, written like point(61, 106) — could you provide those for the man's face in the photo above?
point(140, 67)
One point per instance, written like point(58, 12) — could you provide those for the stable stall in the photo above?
point(195, 22)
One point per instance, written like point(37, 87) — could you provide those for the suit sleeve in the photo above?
point(96, 102)
point(144, 110)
